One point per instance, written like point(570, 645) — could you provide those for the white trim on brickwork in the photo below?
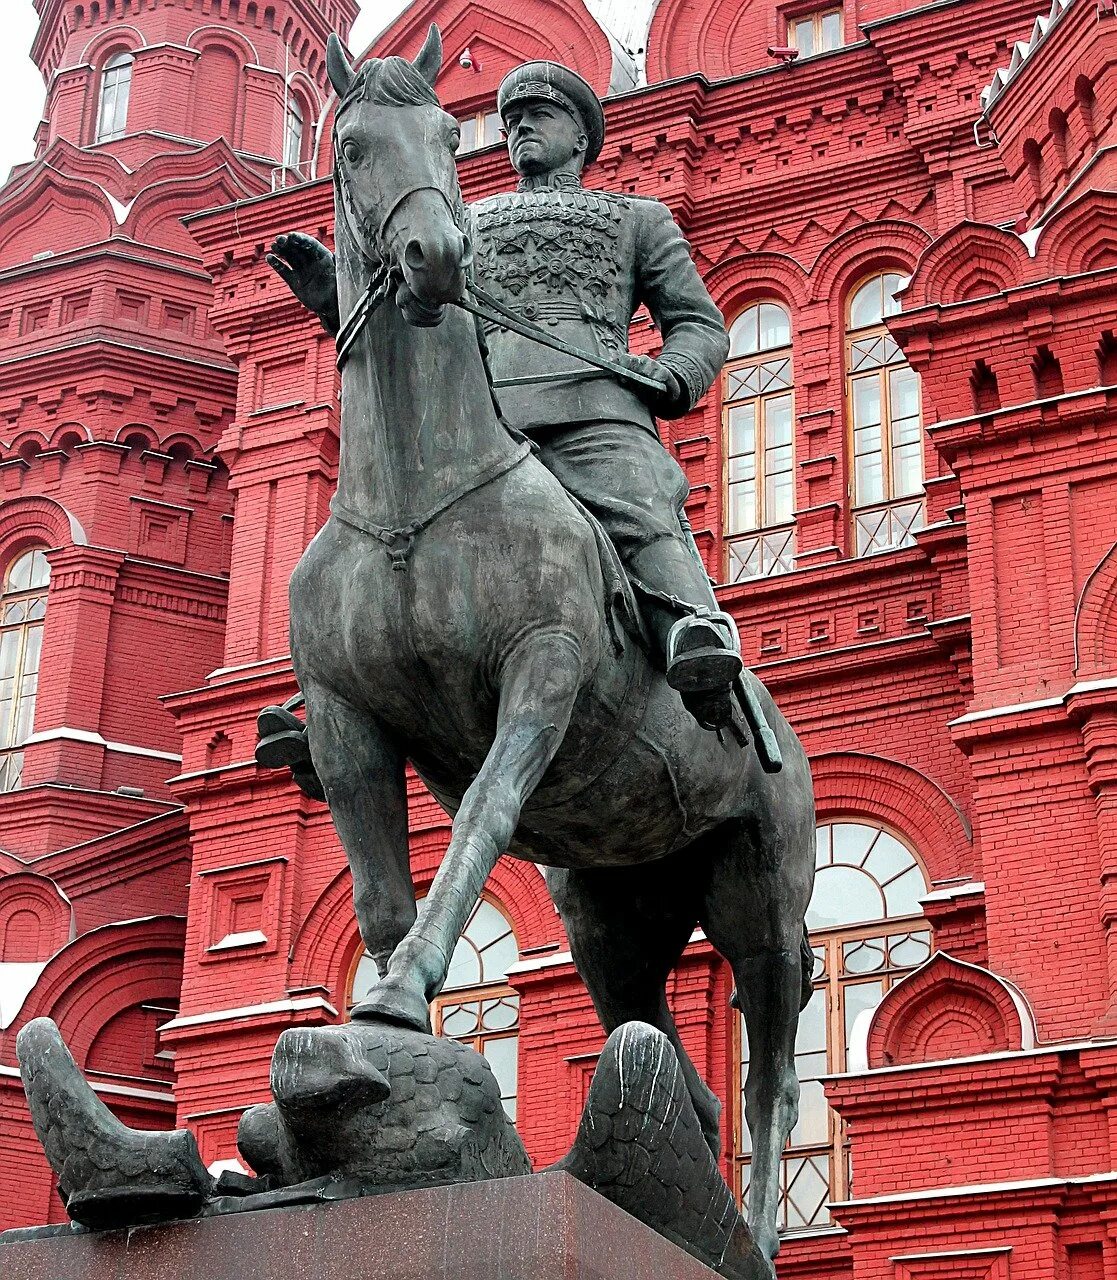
point(1018, 708)
point(979, 1189)
point(858, 1053)
point(114, 1090)
point(64, 734)
point(1013, 709)
point(249, 1011)
point(283, 661)
point(1003, 1055)
point(247, 938)
point(561, 959)
point(1092, 686)
point(242, 866)
point(950, 892)
point(951, 1253)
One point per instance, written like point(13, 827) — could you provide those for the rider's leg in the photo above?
point(625, 476)
point(539, 685)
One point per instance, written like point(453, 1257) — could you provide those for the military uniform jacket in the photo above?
point(579, 263)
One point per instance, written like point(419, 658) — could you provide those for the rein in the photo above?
point(486, 307)
point(475, 300)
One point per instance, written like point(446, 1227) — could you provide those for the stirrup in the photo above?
point(703, 653)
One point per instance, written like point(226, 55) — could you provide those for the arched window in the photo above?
point(886, 422)
point(476, 1005)
point(23, 606)
point(758, 428)
point(293, 139)
point(867, 931)
point(116, 86)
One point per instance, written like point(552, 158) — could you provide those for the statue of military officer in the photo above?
point(579, 263)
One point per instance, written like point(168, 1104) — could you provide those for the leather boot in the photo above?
point(699, 643)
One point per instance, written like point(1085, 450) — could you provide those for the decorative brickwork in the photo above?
point(169, 436)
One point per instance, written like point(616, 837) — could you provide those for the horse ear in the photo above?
point(428, 63)
point(337, 65)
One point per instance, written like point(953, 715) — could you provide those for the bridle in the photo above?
point(383, 269)
point(475, 299)
point(398, 539)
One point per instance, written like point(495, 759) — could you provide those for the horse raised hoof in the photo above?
point(396, 1001)
point(108, 1175)
point(641, 1145)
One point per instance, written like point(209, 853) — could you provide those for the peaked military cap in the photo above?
point(552, 82)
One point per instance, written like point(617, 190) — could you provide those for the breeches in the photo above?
point(636, 490)
point(623, 475)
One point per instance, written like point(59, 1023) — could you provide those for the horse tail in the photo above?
point(806, 953)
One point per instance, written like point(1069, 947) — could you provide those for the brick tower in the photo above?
point(115, 507)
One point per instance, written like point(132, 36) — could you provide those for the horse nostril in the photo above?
point(467, 253)
point(413, 255)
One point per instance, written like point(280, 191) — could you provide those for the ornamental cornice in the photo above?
point(980, 1201)
point(928, 1092)
point(84, 568)
point(134, 364)
point(166, 602)
point(1038, 427)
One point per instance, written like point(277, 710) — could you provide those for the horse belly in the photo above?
point(669, 782)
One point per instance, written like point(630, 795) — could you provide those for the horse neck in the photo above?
point(417, 415)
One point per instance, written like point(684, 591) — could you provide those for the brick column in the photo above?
point(1095, 711)
point(83, 583)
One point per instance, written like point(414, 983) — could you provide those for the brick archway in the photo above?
point(902, 798)
point(947, 1009)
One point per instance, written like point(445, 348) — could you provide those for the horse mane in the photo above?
point(389, 82)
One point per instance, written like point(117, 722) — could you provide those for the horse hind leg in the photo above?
point(362, 773)
point(627, 929)
point(754, 912)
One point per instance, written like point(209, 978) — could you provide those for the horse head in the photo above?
point(394, 149)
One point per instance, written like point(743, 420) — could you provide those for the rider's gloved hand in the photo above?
point(665, 403)
point(307, 268)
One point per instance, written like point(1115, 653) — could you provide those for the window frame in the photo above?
point(295, 110)
point(836, 982)
point(121, 60)
point(479, 119)
point(902, 511)
point(11, 745)
point(775, 539)
point(817, 17)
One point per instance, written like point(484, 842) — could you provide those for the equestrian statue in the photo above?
point(507, 597)
point(506, 594)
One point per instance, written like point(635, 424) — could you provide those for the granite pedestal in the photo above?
point(544, 1227)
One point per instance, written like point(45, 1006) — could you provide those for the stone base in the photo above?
point(542, 1227)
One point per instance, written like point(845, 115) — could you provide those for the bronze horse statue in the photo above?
point(459, 612)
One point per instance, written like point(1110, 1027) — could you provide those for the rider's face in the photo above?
point(542, 138)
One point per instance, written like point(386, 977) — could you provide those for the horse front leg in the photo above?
point(539, 685)
point(362, 773)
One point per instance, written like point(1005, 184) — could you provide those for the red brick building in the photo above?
point(906, 483)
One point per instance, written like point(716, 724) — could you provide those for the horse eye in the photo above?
point(351, 151)
point(455, 139)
